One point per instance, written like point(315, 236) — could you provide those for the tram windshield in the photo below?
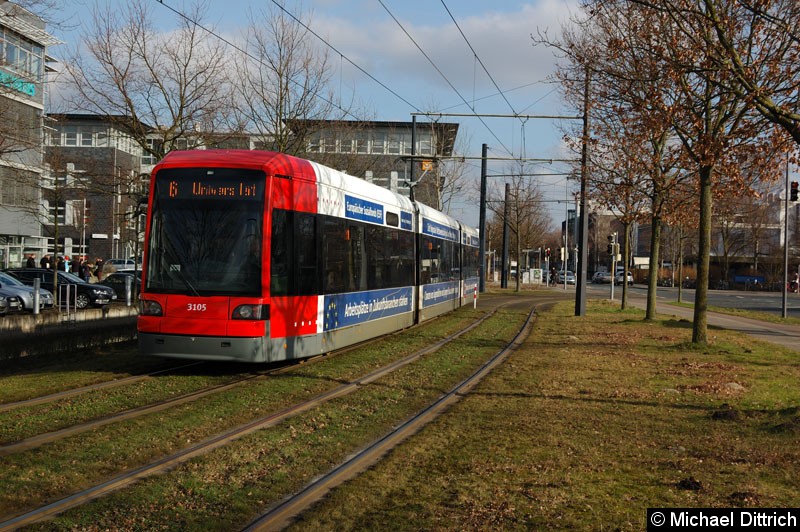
point(205, 232)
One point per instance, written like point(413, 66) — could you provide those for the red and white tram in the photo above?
point(257, 256)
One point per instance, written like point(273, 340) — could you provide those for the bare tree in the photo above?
point(756, 43)
point(716, 125)
point(283, 82)
point(451, 173)
point(166, 86)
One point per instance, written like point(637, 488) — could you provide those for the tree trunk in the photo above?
point(680, 264)
point(652, 281)
point(700, 326)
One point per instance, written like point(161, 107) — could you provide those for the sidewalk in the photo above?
point(777, 333)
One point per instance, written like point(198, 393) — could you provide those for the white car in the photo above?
point(601, 278)
point(621, 275)
point(569, 276)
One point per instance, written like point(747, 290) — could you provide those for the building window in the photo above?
point(21, 56)
point(378, 144)
point(425, 146)
point(70, 136)
point(314, 144)
point(362, 142)
point(405, 140)
point(394, 145)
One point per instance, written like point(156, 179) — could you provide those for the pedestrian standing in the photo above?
point(98, 268)
point(31, 262)
point(86, 270)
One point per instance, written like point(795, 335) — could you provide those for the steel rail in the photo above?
point(90, 388)
point(168, 462)
point(281, 515)
point(133, 413)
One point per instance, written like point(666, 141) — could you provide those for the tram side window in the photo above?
point(439, 261)
point(281, 252)
point(448, 260)
point(305, 247)
point(376, 257)
point(470, 262)
point(334, 255)
point(357, 259)
point(430, 270)
point(293, 254)
point(399, 249)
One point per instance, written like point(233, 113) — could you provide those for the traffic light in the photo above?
point(547, 253)
point(793, 195)
point(610, 248)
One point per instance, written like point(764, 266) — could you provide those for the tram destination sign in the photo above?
point(211, 187)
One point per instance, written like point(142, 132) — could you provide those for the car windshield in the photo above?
point(7, 279)
point(206, 232)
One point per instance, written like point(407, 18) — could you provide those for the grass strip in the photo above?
point(593, 421)
point(226, 488)
point(40, 475)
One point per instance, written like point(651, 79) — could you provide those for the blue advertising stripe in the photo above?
point(343, 310)
point(360, 209)
point(433, 294)
point(429, 227)
point(405, 220)
point(470, 285)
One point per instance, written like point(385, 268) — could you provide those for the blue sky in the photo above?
point(366, 33)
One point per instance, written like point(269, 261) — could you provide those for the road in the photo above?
point(784, 335)
point(759, 301)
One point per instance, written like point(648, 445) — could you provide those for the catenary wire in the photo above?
point(477, 57)
point(329, 45)
point(433, 64)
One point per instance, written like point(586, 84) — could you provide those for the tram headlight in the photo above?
point(148, 307)
point(251, 312)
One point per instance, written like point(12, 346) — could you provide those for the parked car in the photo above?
point(621, 275)
point(601, 278)
point(569, 276)
point(9, 303)
point(9, 283)
point(88, 294)
point(117, 281)
point(123, 264)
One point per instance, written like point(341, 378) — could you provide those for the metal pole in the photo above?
point(504, 273)
point(784, 311)
point(504, 260)
point(413, 161)
point(583, 228)
point(482, 222)
point(565, 255)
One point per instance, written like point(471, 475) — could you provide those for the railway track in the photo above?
point(66, 394)
point(209, 444)
point(281, 515)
